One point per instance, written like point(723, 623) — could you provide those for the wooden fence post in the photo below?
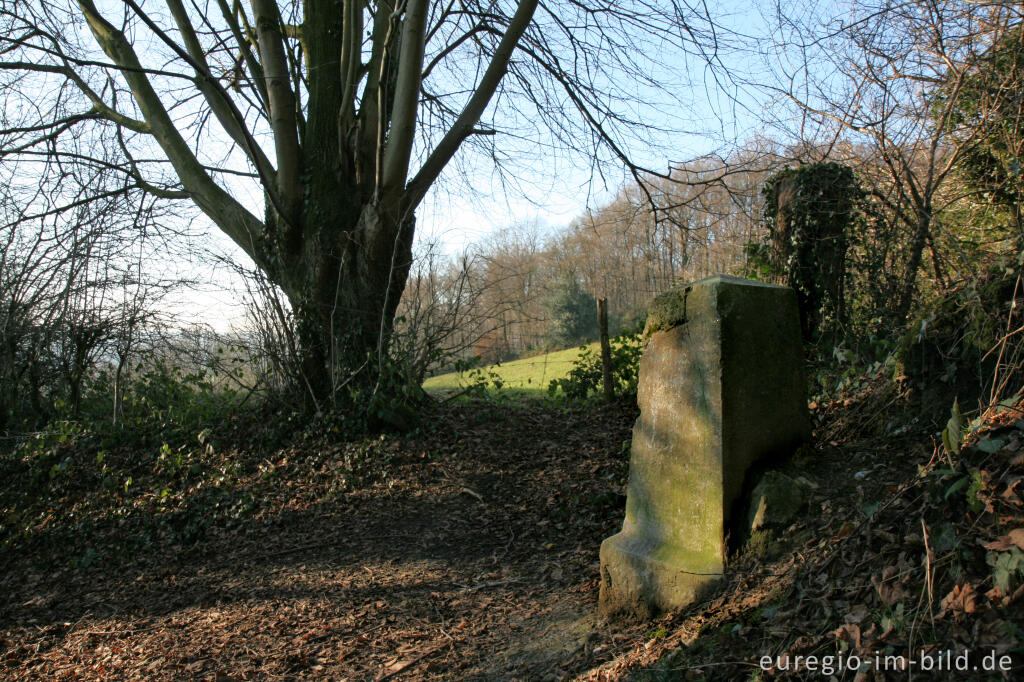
point(606, 350)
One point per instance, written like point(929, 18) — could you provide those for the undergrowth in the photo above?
point(185, 455)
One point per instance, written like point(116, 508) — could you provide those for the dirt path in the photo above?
point(475, 558)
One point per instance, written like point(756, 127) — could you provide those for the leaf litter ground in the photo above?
point(472, 554)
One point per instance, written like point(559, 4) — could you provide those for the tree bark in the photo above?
point(923, 229)
point(344, 294)
point(339, 200)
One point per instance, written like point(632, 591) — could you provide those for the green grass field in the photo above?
point(526, 377)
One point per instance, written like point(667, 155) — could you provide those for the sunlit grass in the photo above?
point(526, 377)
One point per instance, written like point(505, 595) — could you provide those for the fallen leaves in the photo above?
point(412, 576)
point(961, 600)
point(844, 531)
point(409, 576)
point(928, 570)
point(889, 588)
point(1015, 538)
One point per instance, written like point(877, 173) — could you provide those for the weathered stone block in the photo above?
point(721, 386)
point(775, 501)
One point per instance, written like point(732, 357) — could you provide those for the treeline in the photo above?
point(522, 290)
point(889, 195)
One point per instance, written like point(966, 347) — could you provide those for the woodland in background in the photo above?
point(526, 290)
point(898, 220)
point(890, 199)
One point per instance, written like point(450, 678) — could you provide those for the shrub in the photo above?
point(585, 376)
point(571, 312)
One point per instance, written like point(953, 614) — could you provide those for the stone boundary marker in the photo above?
point(721, 386)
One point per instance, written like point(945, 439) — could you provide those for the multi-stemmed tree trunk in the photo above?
point(341, 113)
point(337, 231)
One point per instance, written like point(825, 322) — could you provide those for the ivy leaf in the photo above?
point(960, 483)
point(991, 445)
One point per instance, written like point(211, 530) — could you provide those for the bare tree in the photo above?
point(340, 115)
point(497, 301)
point(880, 88)
point(443, 314)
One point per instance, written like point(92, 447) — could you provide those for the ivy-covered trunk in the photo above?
point(922, 230)
point(809, 211)
point(344, 284)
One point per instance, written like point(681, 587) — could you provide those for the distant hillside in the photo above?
point(528, 377)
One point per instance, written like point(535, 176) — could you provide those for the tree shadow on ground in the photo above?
point(476, 556)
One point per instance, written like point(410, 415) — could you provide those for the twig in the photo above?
point(928, 572)
point(508, 545)
point(456, 395)
point(411, 662)
point(470, 491)
point(490, 583)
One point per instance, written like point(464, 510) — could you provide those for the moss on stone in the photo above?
point(721, 387)
point(666, 311)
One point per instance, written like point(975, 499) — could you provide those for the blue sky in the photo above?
point(700, 110)
point(703, 112)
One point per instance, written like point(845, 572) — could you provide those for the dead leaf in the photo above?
point(396, 665)
point(885, 535)
point(1013, 597)
point(1011, 495)
point(889, 590)
point(1000, 545)
point(845, 530)
point(962, 599)
point(850, 633)
point(996, 634)
point(1015, 538)
point(857, 614)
